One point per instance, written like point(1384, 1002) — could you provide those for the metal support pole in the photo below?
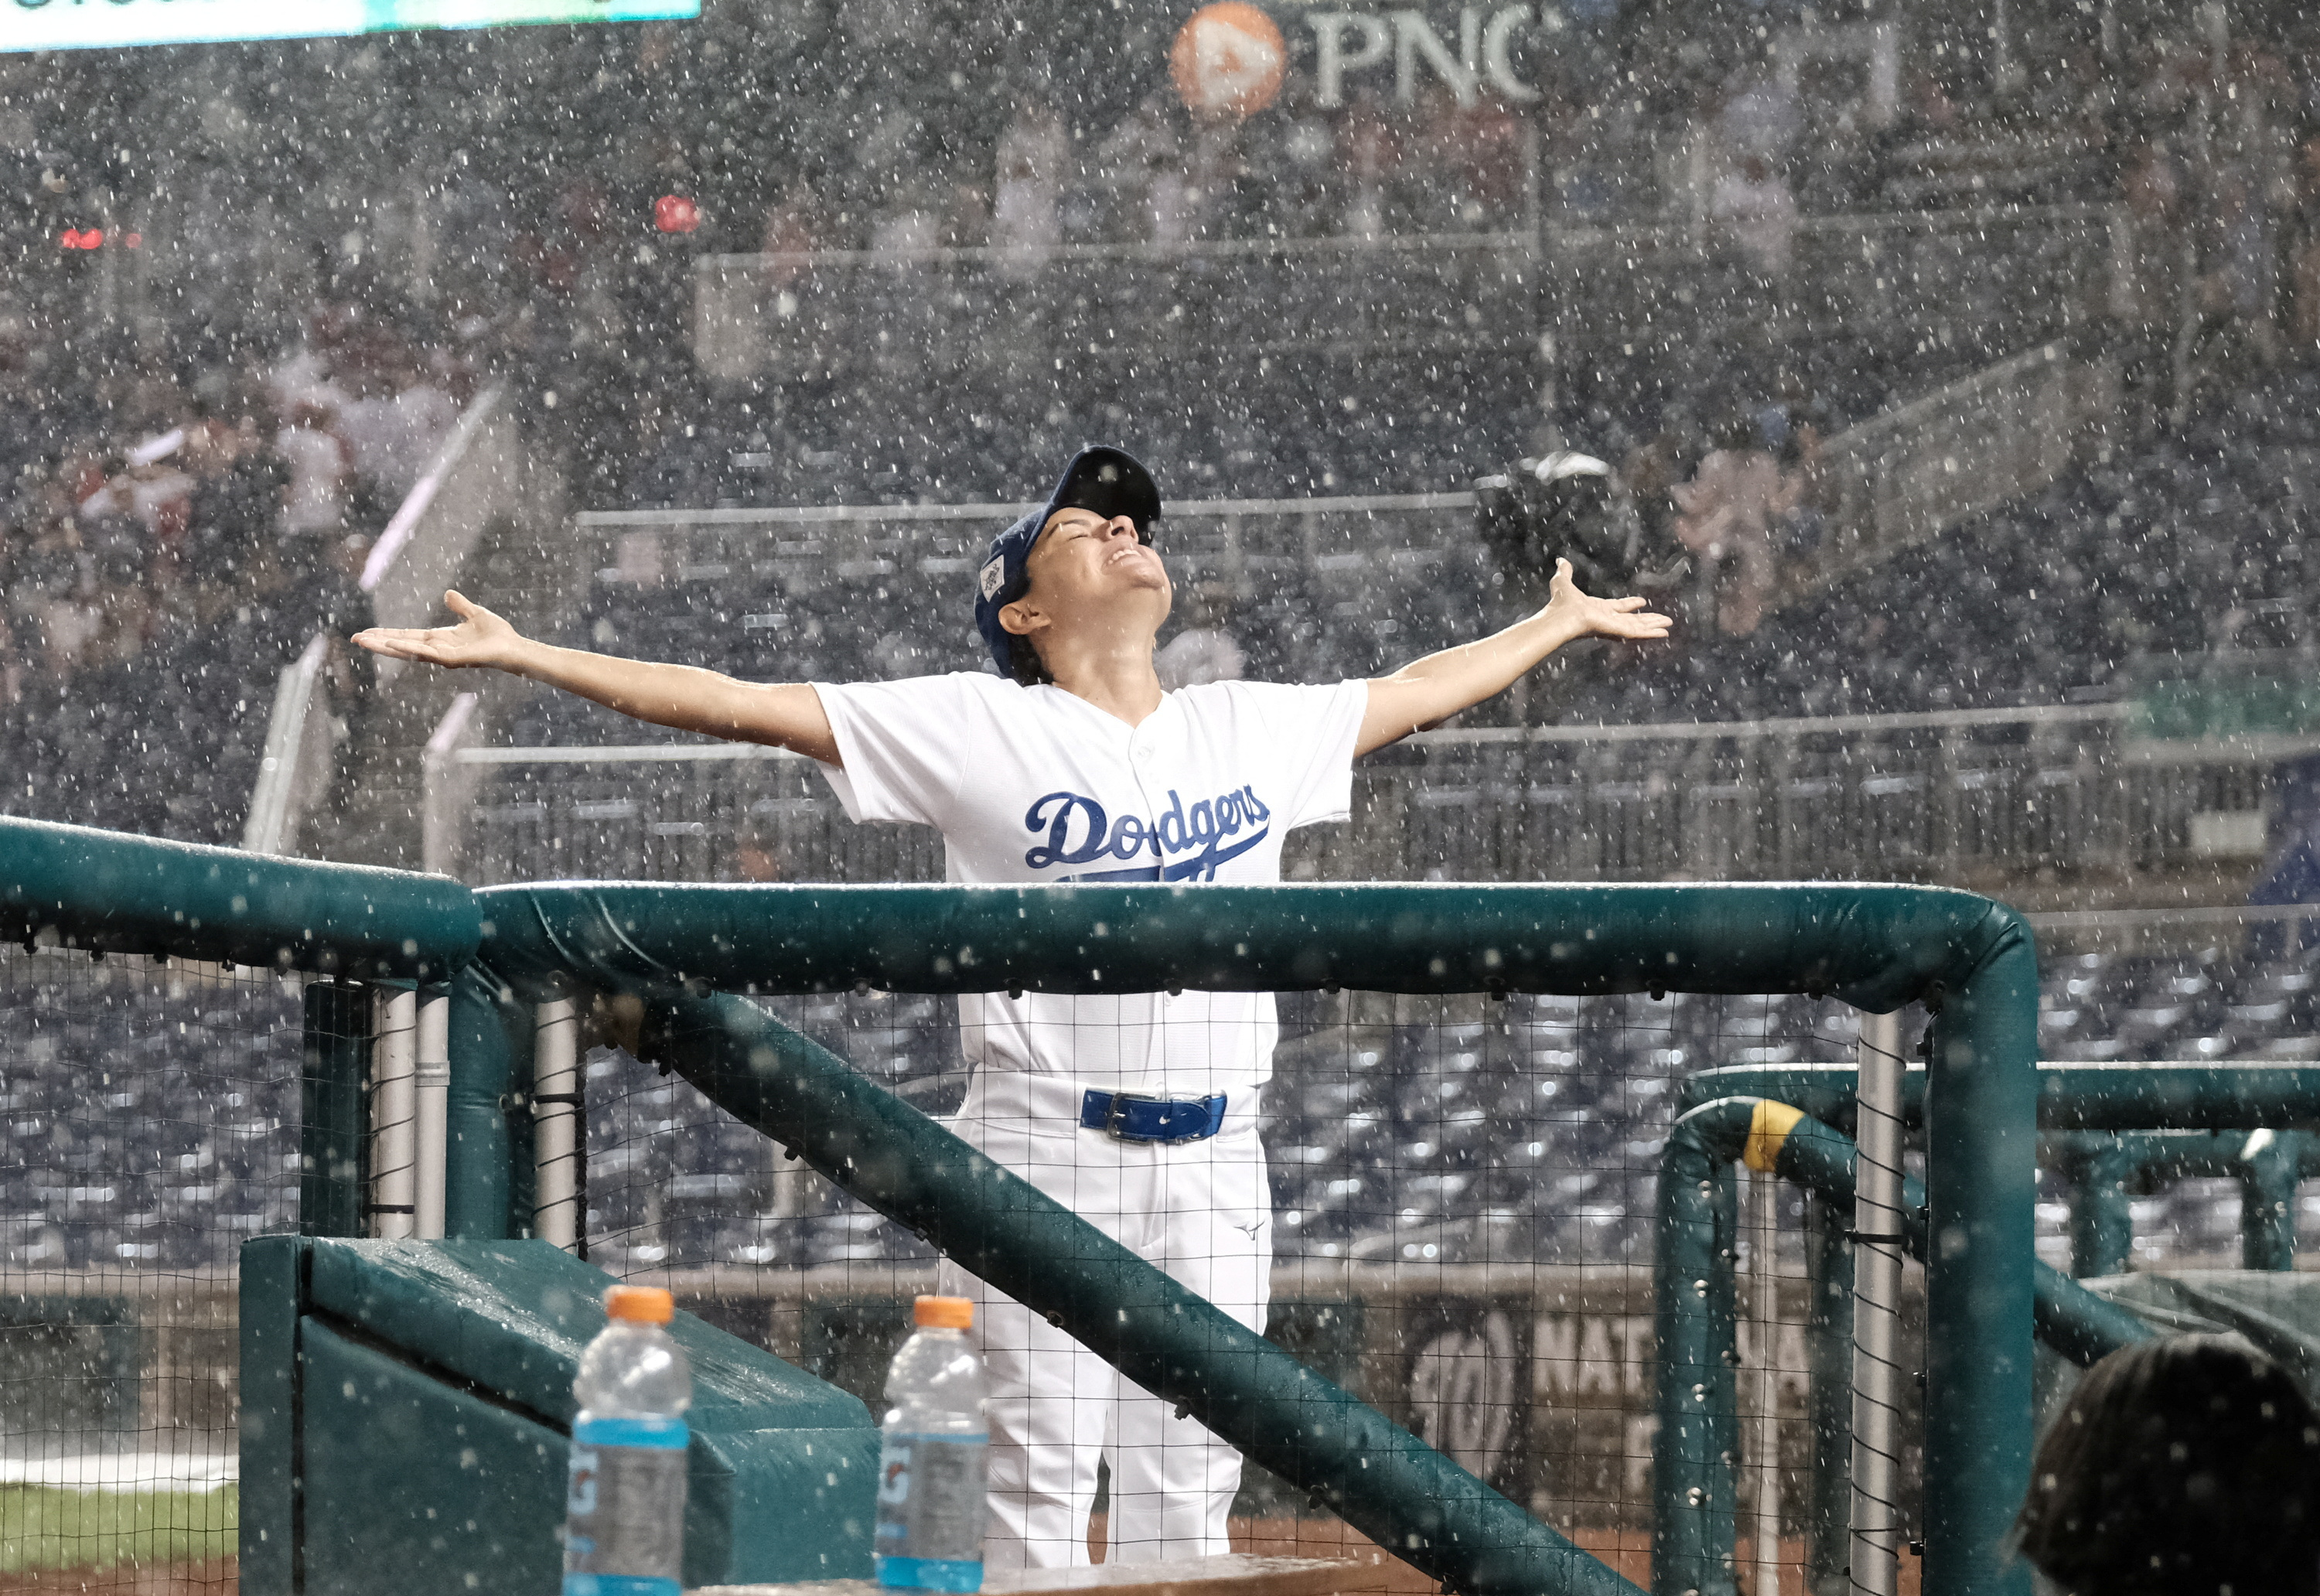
point(556, 1126)
point(1828, 1341)
point(394, 1181)
point(1877, 1221)
point(1764, 1309)
point(430, 1108)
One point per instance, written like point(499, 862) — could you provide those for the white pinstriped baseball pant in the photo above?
point(1199, 1210)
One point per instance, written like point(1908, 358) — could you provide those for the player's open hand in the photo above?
point(1584, 616)
point(480, 638)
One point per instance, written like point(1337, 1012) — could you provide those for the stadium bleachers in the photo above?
point(153, 1124)
point(2171, 549)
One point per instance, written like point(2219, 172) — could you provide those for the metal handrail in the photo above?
point(1681, 236)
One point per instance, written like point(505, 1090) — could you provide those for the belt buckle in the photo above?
point(1115, 1116)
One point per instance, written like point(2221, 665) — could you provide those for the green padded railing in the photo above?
point(1876, 946)
point(1695, 1484)
point(2160, 1095)
point(110, 893)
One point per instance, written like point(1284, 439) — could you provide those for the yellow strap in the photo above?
point(1768, 1129)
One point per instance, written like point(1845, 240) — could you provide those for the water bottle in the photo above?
point(934, 1455)
point(624, 1511)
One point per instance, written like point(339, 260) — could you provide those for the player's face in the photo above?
point(1084, 559)
point(1093, 574)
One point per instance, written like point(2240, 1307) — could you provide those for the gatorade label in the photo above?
point(624, 1511)
point(930, 1502)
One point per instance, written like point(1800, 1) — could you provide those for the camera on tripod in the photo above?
point(1571, 506)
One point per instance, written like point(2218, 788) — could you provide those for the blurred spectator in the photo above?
point(1144, 163)
point(911, 226)
point(757, 852)
point(1752, 205)
point(308, 377)
point(391, 426)
point(1478, 150)
point(319, 471)
point(1727, 510)
point(240, 485)
point(793, 227)
point(1204, 651)
point(1033, 154)
point(2187, 1465)
point(1761, 119)
point(1371, 150)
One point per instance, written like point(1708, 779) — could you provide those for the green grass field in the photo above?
point(42, 1527)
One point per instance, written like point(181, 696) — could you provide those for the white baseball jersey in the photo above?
point(1032, 784)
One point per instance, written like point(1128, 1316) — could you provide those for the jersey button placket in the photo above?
point(1141, 757)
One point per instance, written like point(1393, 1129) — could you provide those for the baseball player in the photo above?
point(1071, 765)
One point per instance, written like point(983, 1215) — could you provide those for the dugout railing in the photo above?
point(495, 1042)
point(668, 952)
point(1876, 946)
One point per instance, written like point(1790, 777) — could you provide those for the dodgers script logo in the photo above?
point(1079, 832)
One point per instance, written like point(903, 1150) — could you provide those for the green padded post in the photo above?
point(1344, 1454)
point(1828, 1345)
point(491, 1060)
point(267, 1414)
point(335, 1059)
point(1695, 1452)
point(2107, 1166)
point(1982, 1161)
point(2102, 1219)
point(2267, 1177)
point(404, 1420)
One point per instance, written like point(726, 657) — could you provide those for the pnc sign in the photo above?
point(1348, 43)
point(80, 25)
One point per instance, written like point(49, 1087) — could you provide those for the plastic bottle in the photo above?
point(624, 1511)
point(934, 1455)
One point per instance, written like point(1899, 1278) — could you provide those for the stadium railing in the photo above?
point(294, 770)
point(959, 311)
point(1961, 795)
point(1981, 282)
point(1909, 474)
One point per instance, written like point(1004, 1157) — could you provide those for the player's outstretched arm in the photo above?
point(683, 696)
point(1428, 691)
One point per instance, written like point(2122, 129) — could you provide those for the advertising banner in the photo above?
point(77, 24)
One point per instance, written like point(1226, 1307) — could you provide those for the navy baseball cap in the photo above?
point(1109, 481)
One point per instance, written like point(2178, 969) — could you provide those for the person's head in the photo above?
point(2187, 1465)
point(1080, 569)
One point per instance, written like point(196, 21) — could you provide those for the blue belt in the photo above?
point(1126, 1117)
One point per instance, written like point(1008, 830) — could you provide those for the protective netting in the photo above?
point(1461, 1198)
point(153, 1116)
point(1460, 1193)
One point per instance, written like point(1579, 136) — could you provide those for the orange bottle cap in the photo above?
point(640, 1304)
point(943, 1313)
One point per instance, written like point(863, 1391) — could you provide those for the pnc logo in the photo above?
point(1229, 59)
